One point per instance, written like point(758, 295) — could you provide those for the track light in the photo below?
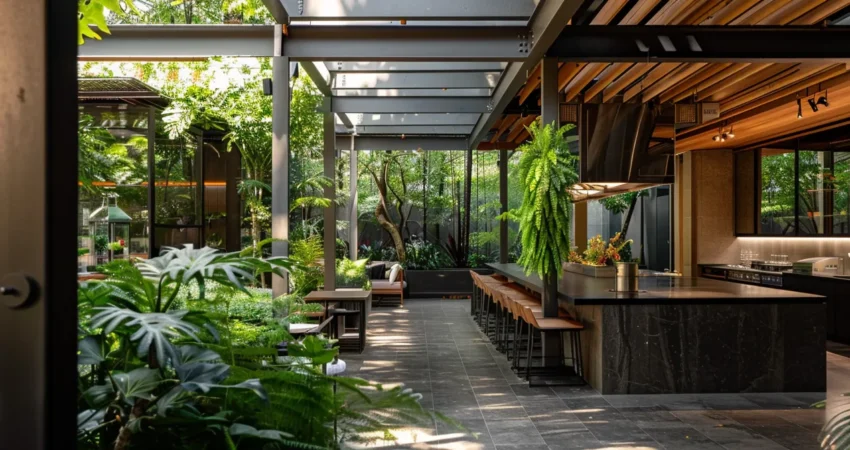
point(822, 100)
point(799, 109)
point(813, 105)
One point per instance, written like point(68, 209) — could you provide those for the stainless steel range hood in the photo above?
point(616, 146)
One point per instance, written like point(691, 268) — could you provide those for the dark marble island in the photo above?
point(693, 335)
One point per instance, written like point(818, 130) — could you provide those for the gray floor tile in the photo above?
point(443, 355)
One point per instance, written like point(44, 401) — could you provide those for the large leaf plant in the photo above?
point(546, 171)
point(153, 375)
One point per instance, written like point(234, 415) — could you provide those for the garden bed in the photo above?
point(440, 283)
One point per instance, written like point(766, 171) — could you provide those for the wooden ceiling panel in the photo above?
point(791, 11)
point(729, 12)
point(625, 80)
point(519, 127)
point(738, 75)
point(657, 73)
point(775, 122)
point(605, 78)
point(506, 123)
point(608, 11)
point(567, 72)
point(759, 12)
point(763, 77)
point(821, 12)
point(681, 73)
point(686, 88)
point(800, 73)
point(582, 79)
point(639, 11)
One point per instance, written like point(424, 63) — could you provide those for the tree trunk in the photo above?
point(382, 213)
point(628, 218)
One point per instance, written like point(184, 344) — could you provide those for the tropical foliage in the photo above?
point(601, 253)
point(166, 361)
point(547, 171)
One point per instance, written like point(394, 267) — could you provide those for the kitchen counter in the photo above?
point(577, 289)
point(693, 335)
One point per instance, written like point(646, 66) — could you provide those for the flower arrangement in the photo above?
point(600, 252)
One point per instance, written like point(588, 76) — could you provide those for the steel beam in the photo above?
point(549, 97)
point(546, 24)
point(412, 93)
point(414, 119)
point(180, 42)
point(702, 44)
point(406, 105)
point(419, 67)
point(406, 43)
point(410, 9)
point(329, 159)
point(277, 11)
point(384, 80)
point(280, 167)
point(322, 79)
point(414, 130)
point(398, 143)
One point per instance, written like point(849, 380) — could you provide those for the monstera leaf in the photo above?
point(152, 330)
point(90, 351)
point(187, 354)
point(138, 383)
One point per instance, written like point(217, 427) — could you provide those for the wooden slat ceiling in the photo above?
point(738, 87)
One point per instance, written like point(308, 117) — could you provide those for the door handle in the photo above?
point(17, 290)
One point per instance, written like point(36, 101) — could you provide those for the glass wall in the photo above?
point(803, 189)
point(113, 167)
point(777, 192)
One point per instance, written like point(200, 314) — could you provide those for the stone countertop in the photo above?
point(579, 289)
point(831, 276)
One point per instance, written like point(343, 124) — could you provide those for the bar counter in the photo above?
point(693, 335)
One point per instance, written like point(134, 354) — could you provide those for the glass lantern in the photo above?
point(110, 230)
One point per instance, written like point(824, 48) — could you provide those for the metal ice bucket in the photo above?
point(626, 279)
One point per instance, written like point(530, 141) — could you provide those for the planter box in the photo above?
point(440, 283)
point(591, 271)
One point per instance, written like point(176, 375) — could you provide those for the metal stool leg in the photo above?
point(529, 354)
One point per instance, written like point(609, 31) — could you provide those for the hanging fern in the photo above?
point(546, 170)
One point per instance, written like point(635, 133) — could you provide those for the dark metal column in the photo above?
point(352, 190)
point(280, 160)
point(503, 199)
point(151, 182)
point(329, 156)
point(549, 114)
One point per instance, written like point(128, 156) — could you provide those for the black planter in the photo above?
point(442, 283)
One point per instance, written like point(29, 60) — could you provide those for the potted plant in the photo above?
point(546, 173)
point(599, 258)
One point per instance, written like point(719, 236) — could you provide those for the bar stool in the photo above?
point(553, 325)
point(488, 284)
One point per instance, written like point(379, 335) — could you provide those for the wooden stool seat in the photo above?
point(555, 324)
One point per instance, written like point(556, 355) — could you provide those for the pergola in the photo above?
point(471, 74)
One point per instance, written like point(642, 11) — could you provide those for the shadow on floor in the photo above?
point(435, 348)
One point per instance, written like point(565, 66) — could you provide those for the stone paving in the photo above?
point(435, 348)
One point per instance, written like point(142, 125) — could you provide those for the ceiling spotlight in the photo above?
point(731, 133)
point(822, 100)
point(716, 138)
point(799, 109)
point(813, 105)
point(723, 137)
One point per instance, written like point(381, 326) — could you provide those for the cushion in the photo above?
point(301, 327)
point(394, 272)
point(385, 285)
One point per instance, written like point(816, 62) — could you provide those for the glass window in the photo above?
point(113, 164)
point(777, 192)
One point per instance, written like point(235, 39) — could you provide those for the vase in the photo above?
point(626, 279)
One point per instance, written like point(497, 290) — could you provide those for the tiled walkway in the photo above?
point(434, 347)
